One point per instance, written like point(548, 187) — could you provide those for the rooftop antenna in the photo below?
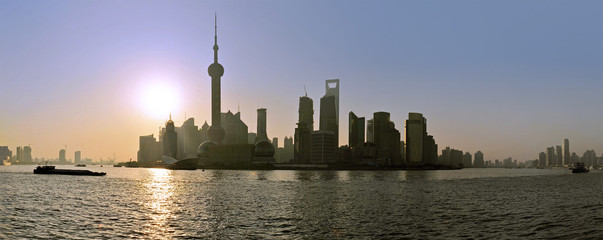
point(306, 91)
point(238, 107)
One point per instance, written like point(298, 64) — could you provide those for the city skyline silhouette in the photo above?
point(505, 97)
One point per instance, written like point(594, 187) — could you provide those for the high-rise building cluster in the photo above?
point(559, 156)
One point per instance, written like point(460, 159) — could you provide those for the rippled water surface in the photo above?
point(166, 204)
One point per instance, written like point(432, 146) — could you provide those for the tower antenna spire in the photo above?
point(306, 91)
point(216, 37)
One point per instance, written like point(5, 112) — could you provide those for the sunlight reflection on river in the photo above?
point(159, 191)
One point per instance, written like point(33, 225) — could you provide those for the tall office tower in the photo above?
point(432, 154)
point(328, 116)
point(356, 131)
point(27, 154)
point(189, 138)
point(575, 158)
point(302, 144)
point(235, 130)
point(550, 156)
point(332, 89)
point(387, 139)
point(306, 112)
point(542, 159)
point(261, 126)
point(456, 158)
point(170, 139)
point(589, 158)
point(149, 150)
point(444, 159)
point(566, 152)
point(77, 158)
point(323, 147)
point(329, 109)
point(559, 155)
point(19, 157)
point(467, 160)
point(288, 148)
point(216, 71)
point(275, 142)
point(370, 135)
point(415, 139)
point(479, 160)
point(62, 155)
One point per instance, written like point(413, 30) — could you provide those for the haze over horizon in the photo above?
point(509, 78)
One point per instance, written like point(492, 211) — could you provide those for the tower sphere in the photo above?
point(215, 70)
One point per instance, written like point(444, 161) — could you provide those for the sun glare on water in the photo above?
point(158, 99)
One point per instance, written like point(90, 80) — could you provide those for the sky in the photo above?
point(509, 78)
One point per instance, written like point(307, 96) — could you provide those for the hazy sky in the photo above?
point(506, 77)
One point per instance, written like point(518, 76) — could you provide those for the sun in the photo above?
point(159, 98)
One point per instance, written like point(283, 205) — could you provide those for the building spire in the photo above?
point(216, 38)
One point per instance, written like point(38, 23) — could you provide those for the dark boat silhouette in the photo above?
point(53, 170)
point(579, 168)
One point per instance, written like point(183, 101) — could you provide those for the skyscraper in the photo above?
point(550, 156)
point(62, 155)
point(306, 112)
point(559, 156)
point(479, 159)
point(328, 116)
point(329, 109)
point(27, 155)
point(263, 150)
point(170, 138)
point(566, 152)
point(332, 89)
point(356, 131)
point(77, 158)
point(415, 139)
point(387, 139)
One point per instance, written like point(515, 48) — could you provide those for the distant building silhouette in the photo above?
point(306, 112)
point(302, 142)
point(370, 135)
point(323, 147)
point(467, 160)
point(288, 149)
point(62, 156)
point(189, 138)
point(559, 155)
point(416, 137)
point(542, 160)
point(328, 116)
point(5, 154)
point(27, 155)
point(479, 160)
point(170, 139)
point(329, 109)
point(77, 157)
point(149, 150)
point(566, 153)
point(387, 140)
point(551, 159)
point(356, 131)
point(235, 130)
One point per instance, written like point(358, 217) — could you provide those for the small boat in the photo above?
point(53, 170)
point(579, 168)
point(80, 165)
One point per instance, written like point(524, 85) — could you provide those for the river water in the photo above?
point(227, 204)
